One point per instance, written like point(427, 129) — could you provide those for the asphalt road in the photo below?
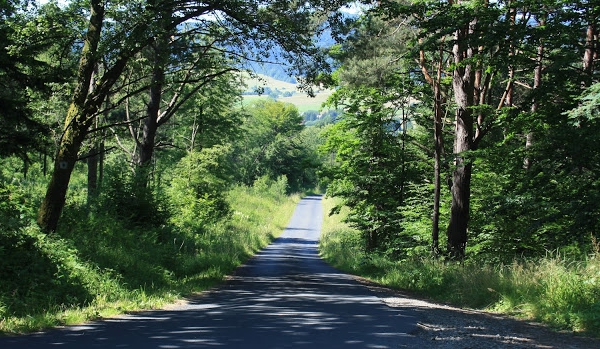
point(284, 297)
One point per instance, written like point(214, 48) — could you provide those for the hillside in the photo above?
point(284, 92)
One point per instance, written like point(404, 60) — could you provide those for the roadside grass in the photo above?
point(97, 267)
point(562, 293)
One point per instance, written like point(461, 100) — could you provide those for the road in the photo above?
point(284, 297)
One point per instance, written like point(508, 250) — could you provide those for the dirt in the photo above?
point(443, 326)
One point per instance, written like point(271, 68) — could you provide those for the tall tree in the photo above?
point(79, 119)
point(260, 25)
point(22, 73)
point(270, 145)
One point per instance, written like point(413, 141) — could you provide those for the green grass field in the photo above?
point(300, 99)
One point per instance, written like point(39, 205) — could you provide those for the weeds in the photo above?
point(554, 290)
point(99, 266)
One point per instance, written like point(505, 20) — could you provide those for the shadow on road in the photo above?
point(284, 297)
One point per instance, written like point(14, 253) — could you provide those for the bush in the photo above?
point(127, 196)
point(198, 188)
point(277, 190)
point(554, 289)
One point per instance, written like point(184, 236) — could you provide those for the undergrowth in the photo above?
point(555, 290)
point(98, 265)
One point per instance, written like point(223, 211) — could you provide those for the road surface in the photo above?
point(284, 297)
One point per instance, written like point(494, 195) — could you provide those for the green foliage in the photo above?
point(554, 205)
point(98, 266)
point(553, 289)
point(275, 145)
point(197, 191)
point(127, 196)
point(589, 109)
point(275, 189)
point(372, 168)
point(44, 273)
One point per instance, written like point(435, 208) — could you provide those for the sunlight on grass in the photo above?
point(553, 290)
point(128, 271)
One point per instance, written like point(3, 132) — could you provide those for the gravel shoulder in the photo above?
point(443, 326)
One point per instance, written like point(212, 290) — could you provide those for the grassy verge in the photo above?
point(562, 293)
point(98, 267)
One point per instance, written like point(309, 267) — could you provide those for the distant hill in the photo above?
point(283, 91)
point(267, 81)
point(275, 71)
point(274, 82)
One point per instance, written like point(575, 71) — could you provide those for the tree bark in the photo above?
point(146, 149)
point(92, 174)
point(463, 80)
point(590, 53)
point(438, 116)
point(439, 100)
point(159, 60)
point(537, 82)
point(80, 116)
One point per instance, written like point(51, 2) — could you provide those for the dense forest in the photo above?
point(127, 154)
point(473, 118)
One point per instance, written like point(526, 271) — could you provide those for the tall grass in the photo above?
point(97, 266)
point(555, 290)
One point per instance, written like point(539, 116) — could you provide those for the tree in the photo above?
point(250, 24)
point(372, 141)
point(22, 74)
point(371, 174)
point(272, 145)
point(79, 119)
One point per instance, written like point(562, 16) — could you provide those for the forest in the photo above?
point(463, 142)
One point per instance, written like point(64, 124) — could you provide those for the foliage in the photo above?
point(197, 190)
point(520, 184)
point(274, 145)
point(23, 76)
point(375, 161)
point(371, 172)
point(554, 289)
point(127, 197)
point(96, 266)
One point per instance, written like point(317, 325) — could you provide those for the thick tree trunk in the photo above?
point(152, 113)
point(461, 185)
point(151, 124)
point(463, 80)
point(79, 118)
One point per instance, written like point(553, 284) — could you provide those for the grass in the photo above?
point(555, 290)
point(300, 100)
point(97, 268)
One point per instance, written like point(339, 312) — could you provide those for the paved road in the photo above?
point(285, 297)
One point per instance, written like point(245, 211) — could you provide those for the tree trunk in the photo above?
point(438, 116)
point(92, 174)
point(439, 100)
point(590, 53)
point(151, 121)
point(79, 118)
point(537, 82)
point(463, 85)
